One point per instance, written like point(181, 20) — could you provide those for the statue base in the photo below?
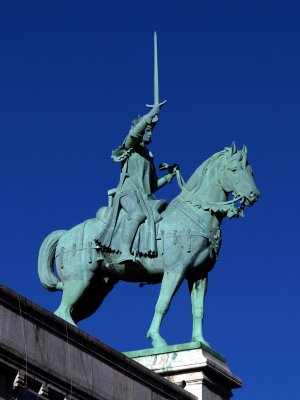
point(193, 366)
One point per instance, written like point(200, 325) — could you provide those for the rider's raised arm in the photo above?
point(136, 133)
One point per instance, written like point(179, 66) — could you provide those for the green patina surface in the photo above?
point(138, 238)
point(188, 242)
point(171, 349)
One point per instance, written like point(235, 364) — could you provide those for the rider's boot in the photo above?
point(127, 240)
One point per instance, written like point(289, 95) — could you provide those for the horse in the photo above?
point(188, 242)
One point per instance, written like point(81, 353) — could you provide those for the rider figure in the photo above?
point(134, 194)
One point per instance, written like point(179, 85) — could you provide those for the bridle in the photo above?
point(224, 207)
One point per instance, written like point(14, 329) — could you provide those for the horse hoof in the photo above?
point(65, 318)
point(159, 342)
point(202, 341)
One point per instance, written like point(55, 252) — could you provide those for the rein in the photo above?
point(227, 207)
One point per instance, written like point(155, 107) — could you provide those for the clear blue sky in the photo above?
point(74, 74)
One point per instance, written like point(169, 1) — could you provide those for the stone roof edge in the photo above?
point(53, 324)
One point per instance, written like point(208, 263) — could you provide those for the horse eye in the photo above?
point(233, 169)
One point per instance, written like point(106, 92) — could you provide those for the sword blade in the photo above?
point(156, 89)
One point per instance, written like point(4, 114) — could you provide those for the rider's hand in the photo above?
point(152, 115)
point(154, 111)
point(173, 168)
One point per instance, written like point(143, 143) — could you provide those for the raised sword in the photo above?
point(156, 87)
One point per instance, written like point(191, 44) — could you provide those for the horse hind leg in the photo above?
point(93, 296)
point(72, 292)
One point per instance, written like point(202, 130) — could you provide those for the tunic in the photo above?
point(138, 176)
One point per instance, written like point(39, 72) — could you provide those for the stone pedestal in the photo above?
point(195, 367)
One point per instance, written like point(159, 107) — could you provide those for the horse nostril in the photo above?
point(254, 195)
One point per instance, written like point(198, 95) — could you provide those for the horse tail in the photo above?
point(46, 262)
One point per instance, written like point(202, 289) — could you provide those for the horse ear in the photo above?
point(233, 148)
point(245, 150)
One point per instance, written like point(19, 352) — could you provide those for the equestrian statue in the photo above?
point(137, 238)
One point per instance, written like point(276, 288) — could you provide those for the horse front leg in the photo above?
point(170, 283)
point(198, 290)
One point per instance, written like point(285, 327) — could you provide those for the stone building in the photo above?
point(42, 356)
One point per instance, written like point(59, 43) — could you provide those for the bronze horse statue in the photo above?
point(188, 242)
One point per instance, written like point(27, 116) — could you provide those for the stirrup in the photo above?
point(130, 258)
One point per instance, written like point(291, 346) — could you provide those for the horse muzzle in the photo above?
point(251, 198)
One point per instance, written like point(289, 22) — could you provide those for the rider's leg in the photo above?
point(135, 216)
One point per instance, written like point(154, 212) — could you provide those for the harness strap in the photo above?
point(191, 214)
point(180, 180)
point(213, 235)
point(208, 204)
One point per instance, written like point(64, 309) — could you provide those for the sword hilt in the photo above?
point(159, 104)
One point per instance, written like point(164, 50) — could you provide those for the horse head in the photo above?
point(236, 176)
point(224, 173)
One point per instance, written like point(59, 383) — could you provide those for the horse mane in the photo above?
point(192, 185)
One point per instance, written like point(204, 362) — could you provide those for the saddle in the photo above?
point(114, 219)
